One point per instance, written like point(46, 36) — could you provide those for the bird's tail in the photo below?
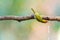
point(33, 10)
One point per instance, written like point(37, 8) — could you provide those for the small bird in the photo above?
point(38, 16)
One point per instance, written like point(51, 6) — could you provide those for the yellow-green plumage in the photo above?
point(38, 17)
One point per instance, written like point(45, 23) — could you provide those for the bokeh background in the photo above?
point(30, 29)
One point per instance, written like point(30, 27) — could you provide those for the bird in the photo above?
point(38, 17)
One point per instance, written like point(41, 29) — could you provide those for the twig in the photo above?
point(23, 18)
point(17, 18)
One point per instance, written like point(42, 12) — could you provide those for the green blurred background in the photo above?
point(13, 30)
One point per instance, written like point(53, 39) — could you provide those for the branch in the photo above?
point(23, 18)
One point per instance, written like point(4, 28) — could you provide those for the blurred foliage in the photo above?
point(20, 30)
point(13, 30)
